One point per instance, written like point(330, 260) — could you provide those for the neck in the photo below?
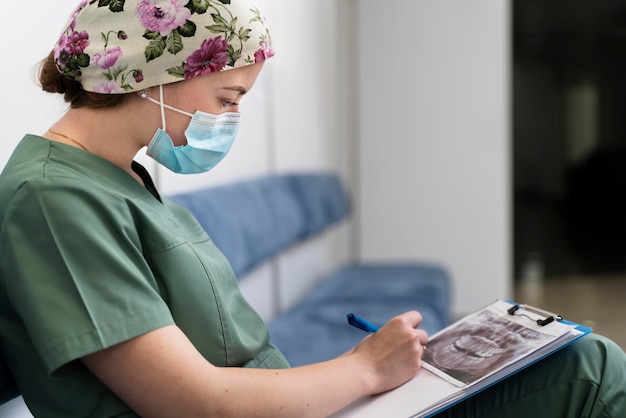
point(68, 138)
point(111, 134)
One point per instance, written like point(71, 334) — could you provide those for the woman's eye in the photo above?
point(226, 104)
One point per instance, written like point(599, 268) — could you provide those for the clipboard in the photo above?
point(435, 388)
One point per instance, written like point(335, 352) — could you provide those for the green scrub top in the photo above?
point(92, 258)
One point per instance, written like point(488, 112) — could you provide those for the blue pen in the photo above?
point(361, 323)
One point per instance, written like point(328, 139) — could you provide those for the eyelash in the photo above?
point(226, 104)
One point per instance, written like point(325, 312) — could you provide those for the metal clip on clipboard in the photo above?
point(547, 316)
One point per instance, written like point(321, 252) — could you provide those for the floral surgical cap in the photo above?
point(120, 46)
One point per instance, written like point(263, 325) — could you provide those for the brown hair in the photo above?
point(52, 81)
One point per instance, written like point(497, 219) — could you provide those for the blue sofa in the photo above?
point(253, 221)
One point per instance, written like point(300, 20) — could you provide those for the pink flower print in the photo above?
point(80, 7)
point(69, 46)
point(106, 87)
point(138, 76)
point(77, 42)
point(162, 16)
point(211, 57)
point(107, 59)
point(61, 54)
point(264, 52)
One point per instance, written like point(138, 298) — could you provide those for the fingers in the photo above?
point(422, 337)
point(413, 318)
point(406, 329)
point(395, 352)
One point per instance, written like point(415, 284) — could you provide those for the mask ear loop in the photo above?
point(162, 105)
point(145, 95)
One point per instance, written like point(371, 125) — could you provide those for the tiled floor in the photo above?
point(597, 301)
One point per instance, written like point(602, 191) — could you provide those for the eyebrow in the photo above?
point(240, 89)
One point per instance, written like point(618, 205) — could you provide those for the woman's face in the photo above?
point(213, 93)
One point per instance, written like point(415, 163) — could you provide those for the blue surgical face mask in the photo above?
point(209, 138)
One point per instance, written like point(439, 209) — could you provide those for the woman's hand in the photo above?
point(393, 354)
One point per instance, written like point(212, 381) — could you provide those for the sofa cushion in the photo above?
point(317, 329)
point(323, 199)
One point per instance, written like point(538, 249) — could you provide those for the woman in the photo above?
point(114, 301)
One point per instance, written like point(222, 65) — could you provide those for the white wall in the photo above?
point(24, 107)
point(434, 139)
